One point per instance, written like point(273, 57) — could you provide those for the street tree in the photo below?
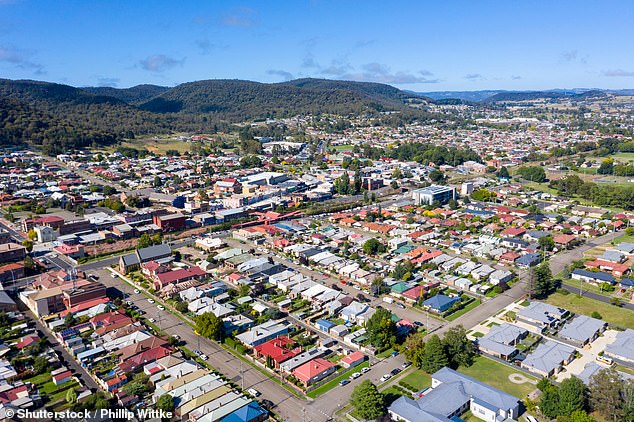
point(210, 326)
point(459, 349)
point(605, 394)
point(434, 355)
point(367, 401)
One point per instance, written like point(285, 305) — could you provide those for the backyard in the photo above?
point(585, 306)
point(497, 375)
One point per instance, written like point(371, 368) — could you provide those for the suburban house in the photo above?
point(549, 358)
point(452, 394)
point(440, 303)
point(541, 315)
point(264, 332)
point(582, 330)
point(594, 277)
point(500, 341)
point(352, 360)
point(314, 371)
point(622, 349)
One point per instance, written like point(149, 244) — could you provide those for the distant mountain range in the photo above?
point(57, 117)
point(504, 95)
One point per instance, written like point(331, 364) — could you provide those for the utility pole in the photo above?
point(241, 376)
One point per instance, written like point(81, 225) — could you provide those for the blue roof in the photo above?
point(439, 301)
point(529, 258)
point(325, 323)
point(246, 413)
point(595, 275)
point(627, 282)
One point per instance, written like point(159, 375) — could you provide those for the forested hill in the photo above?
point(59, 117)
point(135, 95)
point(237, 100)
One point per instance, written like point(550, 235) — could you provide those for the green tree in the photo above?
point(606, 167)
point(166, 403)
point(210, 326)
point(546, 243)
point(373, 247)
point(605, 390)
point(135, 388)
point(144, 241)
point(533, 173)
point(158, 182)
point(71, 396)
point(28, 244)
point(367, 401)
point(413, 348)
point(458, 347)
point(434, 356)
point(572, 396)
point(40, 365)
point(381, 329)
point(436, 176)
point(549, 402)
point(541, 282)
point(504, 173)
point(576, 416)
point(32, 235)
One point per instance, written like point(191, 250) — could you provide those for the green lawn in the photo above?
point(39, 379)
point(463, 310)
point(385, 353)
point(623, 156)
point(418, 379)
point(341, 147)
point(585, 306)
point(496, 375)
point(624, 238)
point(335, 382)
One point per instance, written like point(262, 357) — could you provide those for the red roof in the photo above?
point(414, 292)
point(63, 375)
point(513, 231)
point(352, 358)
point(85, 305)
point(277, 349)
point(180, 274)
point(564, 239)
point(311, 369)
point(27, 341)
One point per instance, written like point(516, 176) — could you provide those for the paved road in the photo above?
point(17, 236)
point(69, 361)
point(557, 264)
point(289, 406)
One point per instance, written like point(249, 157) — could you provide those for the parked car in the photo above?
point(395, 353)
point(161, 307)
point(365, 370)
point(204, 357)
point(197, 352)
point(395, 371)
point(406, 365)
point(344, 382)
point(152, 320)
point(253, 392)
point(137, 291)
point(151, 300)
point(400, 305)
point(386, 377)
point(355, 375)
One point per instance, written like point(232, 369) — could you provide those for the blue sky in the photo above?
point(419, 45)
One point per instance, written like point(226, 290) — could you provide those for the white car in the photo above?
point(253, 392)
point(355, 375)
point(151, 300)
point(161, 307)
point(365, 370)
point(136, 291)
point(354, 286)
point(204, 357)
point(386, 377)
point(114, 275)
point(152, 320)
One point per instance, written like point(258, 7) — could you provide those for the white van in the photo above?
point(388, 299)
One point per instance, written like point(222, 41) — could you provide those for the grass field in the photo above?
point(585, 306)
point(624, 238)
point(463, 310)
point(418, 379)
point(623, 156)
point(497, 375)
point(341, 147)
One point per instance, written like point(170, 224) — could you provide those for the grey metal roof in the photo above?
point(582, 328)
point(489, 345)
point(548, 356)
point(623, 345)
point(543, 312)
point(153, 252)
point(504, 334)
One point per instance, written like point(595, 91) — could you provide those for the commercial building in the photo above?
point(434, 193)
